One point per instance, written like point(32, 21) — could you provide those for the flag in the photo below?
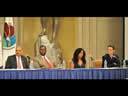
point(9, 40)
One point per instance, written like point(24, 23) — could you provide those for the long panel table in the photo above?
point(90, 73)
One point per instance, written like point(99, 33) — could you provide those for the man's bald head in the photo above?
point(19, 51)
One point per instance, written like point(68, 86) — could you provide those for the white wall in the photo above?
point(126, 37)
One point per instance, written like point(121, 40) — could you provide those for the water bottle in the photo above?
point(31, 65)
point(105, 64)
point(124, 64)
point(63, 65)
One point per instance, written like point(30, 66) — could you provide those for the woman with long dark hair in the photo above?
point(79, 60)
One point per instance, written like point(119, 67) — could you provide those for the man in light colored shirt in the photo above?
point(17, 61)
point(42, 61)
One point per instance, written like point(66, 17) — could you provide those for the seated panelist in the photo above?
point(43, 61)
point(17, 61)
point(111, 58)
point(79, 60)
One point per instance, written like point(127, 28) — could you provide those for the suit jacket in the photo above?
point(40, 63)
point(12, 62)
point(114, 62)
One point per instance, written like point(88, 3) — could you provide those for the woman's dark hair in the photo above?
point(76, 53)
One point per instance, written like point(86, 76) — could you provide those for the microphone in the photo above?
point(91, 58)
point(28, 59)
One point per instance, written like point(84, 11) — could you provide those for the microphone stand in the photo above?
point(92, 59)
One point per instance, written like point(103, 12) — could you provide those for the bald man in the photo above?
point(17, 61)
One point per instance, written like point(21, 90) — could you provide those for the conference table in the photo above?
point(70, 74)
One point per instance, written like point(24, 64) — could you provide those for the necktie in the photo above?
point(111, 57)
point(19, 65)
point(49, 66)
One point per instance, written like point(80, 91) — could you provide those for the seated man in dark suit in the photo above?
point(111, 58)
point(17, 61)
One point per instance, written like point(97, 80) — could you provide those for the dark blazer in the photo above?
point(12, 62)
point(114, 62)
